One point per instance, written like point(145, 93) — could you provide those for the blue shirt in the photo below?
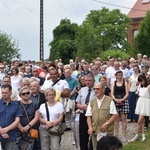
point(8, 113)
point(73, 83)
point(30, 109)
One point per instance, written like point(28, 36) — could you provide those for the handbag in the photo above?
point(54, 130)
point(33, 132)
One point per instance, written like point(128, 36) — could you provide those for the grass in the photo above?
point(138, 145)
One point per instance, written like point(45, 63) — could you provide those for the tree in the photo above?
point(100, 31)
point(63, 44)
point(142, 41)
point(8, 48)
point(116, 54)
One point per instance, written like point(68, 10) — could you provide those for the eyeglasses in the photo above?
point(35, 71)
point(96, 88)
point(94, 69)
point(135, 62)
point(27, 93)
point(25, 84)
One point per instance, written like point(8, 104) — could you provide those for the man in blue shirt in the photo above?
point(70, 101)
point(10, 113)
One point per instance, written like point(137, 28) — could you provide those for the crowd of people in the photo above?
point(88, 98)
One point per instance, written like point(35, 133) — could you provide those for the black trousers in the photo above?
point(83, 132)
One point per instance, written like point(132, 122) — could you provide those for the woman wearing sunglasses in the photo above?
point(30, 116)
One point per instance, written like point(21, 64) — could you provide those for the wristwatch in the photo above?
point(29, 125)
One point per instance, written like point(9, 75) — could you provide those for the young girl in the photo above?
point(142, 107)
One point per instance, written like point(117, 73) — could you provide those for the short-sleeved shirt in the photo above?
point(73, 84)
point(31, 109)
point(54, 111)
point(60, 85)
point(99, 102)
point(8, 113)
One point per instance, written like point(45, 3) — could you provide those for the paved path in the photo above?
point(67, 138)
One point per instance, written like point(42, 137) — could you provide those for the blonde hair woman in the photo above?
point(55, 109)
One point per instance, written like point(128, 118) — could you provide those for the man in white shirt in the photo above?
point(111, 75)
point(101, 113)
point(111, 65)
point(82, 105)
point(2, 73)
point(57, 84)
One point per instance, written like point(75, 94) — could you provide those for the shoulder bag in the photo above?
point(33, 132)
point(54, 130)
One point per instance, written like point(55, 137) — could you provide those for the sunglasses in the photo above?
point(27, 93)
point(96, 88)
point(35, 71)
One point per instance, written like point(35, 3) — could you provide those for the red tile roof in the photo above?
point(139, 10)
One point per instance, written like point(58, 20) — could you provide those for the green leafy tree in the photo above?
point(8, 48)
point(142, 41)
point(101, 30)
point(116, 54)
point(63, 43)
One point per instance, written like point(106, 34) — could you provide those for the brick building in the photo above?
point(137, 13)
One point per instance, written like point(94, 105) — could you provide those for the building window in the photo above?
point(145, 1)
point(135, 33)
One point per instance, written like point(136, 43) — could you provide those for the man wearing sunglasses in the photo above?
point(101, 113)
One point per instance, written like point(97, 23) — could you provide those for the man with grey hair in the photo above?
point(101, 114)
point(70, 101)
point(36, 74)
point(37, 97)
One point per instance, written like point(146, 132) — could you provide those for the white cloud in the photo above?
point(20, 18)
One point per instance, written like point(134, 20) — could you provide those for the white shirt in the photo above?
point(125, 72)
point(133, 82)
point(99, 102)
point(60, 85)
point(83, 94)
point(54, 111)
point(108, 70)
point(15, 81)
point(112, 76)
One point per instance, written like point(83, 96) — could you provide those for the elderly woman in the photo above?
point(25, 82)
point(24, 141)
point(55, 109)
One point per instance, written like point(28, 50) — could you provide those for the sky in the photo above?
point(21, 19)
